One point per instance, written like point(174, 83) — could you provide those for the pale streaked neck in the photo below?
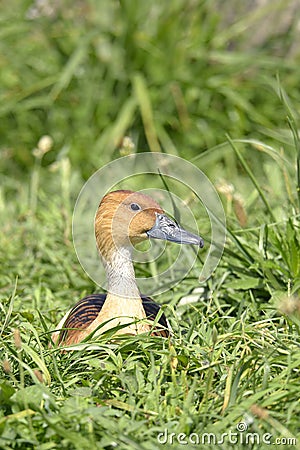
point(120, 274)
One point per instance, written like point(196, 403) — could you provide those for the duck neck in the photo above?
point(120, 274)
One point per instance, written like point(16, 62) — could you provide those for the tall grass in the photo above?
point(177, 75)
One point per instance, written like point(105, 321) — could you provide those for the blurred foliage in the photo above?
point(175, 76)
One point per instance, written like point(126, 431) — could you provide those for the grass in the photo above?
point(190, 80)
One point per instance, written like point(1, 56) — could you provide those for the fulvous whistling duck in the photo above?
point(123, 219)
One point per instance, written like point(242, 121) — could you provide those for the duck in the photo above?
point(123, 219)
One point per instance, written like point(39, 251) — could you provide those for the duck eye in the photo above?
point(135, 207)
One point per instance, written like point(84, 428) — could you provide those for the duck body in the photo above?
point(123, 219)
point(85, 317)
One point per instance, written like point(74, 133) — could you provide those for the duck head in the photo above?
point(126, 217)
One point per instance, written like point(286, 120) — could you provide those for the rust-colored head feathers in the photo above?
point(123, 218)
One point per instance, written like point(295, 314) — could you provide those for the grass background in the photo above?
point(214, 82)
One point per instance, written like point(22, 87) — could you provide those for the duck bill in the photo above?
point(168, 230)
